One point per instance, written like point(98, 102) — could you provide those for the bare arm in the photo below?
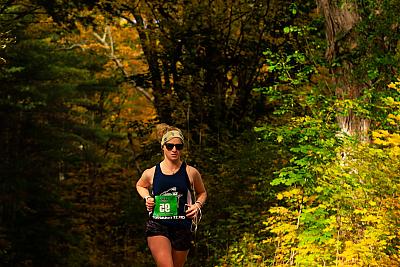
point(199, 189)
point(143, 185)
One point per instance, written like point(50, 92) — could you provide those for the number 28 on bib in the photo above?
point(166, 207)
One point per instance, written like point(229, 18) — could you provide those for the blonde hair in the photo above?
point(163, 128)
point(166, 133)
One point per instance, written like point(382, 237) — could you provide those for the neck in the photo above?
point(171, 163)
point(170, 167)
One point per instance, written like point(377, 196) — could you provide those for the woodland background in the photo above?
point(290, 109)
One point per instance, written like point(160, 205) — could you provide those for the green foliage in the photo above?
point(289, 72)
point(47, 130)
point(343, 215)
point(291, 69)
point(310, 141)
point(335, 209)
point(248, 251)
point(238, 194)
point(378, 41)
point(295, 193)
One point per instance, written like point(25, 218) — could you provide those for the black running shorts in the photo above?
point(181, 237)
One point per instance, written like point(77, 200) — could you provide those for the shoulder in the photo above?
point(191, 168)
point(196, 180)
point(148, 174)
point(146, 179)
point(192, 172)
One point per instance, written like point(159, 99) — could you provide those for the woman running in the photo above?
point(172, 209)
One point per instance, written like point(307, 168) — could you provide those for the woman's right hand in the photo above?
point(149, 204)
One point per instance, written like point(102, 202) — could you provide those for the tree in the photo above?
point(50, 112)
point(319, 218)
point(209, 64)
point(202, 70)
point(362, 58)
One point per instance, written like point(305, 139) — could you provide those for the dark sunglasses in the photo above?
point(171, 146)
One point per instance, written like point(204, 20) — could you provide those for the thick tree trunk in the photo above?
point(341, 39)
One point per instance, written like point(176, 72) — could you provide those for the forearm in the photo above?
point(142, 191)
point(201, 198)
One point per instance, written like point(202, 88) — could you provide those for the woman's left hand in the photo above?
point(192, 211)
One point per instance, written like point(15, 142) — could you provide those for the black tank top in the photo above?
point(178, 184)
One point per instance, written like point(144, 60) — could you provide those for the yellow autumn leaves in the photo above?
point(385, 137)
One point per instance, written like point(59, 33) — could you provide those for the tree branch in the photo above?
point(117, 61)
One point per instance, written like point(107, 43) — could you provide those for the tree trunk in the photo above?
point(149, 49)
point(341, 40)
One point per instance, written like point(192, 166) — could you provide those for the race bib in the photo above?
point(166, 207)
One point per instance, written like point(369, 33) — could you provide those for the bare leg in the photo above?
point(161, 249)
point(179, 257)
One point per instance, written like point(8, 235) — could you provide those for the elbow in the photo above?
point(204, 194)
point(138, 185)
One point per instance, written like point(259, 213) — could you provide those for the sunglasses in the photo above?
point(171, 146)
